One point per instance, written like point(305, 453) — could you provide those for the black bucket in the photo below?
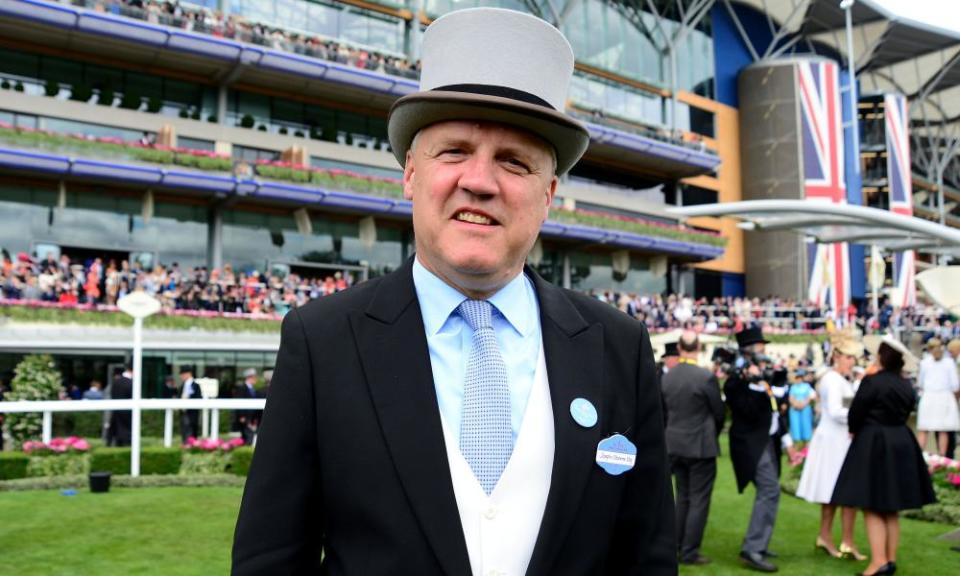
point(99, 481)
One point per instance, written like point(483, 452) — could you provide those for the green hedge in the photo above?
point(113, 460)
point(81, 482)
point(159, 321)
point(153, 460)
point(240, 460)
point(13, 465)
point(58, 465)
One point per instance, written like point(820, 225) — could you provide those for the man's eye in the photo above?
point(452, 152)
point(518, 164)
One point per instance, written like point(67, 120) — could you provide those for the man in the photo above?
point(189, 390)
point(755, 434)
point(121, 421)
point(95, 392)
point(247, 421)
point(695, 414)
point(448, 418)
point(670, 358)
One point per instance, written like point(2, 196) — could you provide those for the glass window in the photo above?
point(254, 241)
point(97, 220)
point(71, 127)
point(317, 162)
point(19, 63)
point(196, 143)
point(594, 271)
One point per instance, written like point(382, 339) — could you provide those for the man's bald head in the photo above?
point(689, 344)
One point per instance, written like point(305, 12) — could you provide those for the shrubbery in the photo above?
point(202, 458)
point(36, 378)
point(13, 465)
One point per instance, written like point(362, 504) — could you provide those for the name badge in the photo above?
point(616, 454)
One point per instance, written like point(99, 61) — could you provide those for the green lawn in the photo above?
point(921, 549)
point(184, 530)
point(128, 531)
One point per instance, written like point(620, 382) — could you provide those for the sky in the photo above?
point(939, 13)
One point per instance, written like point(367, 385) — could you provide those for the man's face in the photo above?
point(480, 193)
point(671, 361)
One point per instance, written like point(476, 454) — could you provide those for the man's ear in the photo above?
point(551, 193)
point(408, 171)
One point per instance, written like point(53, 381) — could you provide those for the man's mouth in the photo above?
point(474, 218)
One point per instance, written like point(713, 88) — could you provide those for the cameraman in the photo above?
point(755, 435)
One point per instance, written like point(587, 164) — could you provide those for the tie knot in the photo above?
point(477, 313)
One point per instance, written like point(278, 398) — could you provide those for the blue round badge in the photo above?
point(583, 412)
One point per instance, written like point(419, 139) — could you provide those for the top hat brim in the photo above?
point(415, 112)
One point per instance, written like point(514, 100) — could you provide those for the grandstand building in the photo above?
point(252, 134)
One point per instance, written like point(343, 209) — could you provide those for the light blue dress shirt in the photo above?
point(516, 323)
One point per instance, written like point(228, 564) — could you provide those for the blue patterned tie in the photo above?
point(486, 438)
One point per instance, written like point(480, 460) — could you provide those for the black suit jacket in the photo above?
point(750, 419)
point(695, 412)
point(351, 459)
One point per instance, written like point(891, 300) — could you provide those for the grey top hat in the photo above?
point(494, 65)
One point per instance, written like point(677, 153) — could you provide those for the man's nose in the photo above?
point(479, 176)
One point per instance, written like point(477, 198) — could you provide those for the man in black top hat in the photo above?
point(755, 433)
point(189, 419)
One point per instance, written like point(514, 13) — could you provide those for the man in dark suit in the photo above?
point(461, 415)
point(121, 421)
point(755, 436)
point(189, 390)
point(247, 421)
point(695, 415)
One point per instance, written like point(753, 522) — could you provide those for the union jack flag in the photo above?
point(823, 176)
point(896, 117)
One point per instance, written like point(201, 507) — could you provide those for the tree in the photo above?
point(35, 378)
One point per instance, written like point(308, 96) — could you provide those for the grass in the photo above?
point(921, 549)
point(162, 531)
point(188, 530)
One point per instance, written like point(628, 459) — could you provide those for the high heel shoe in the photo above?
point(851, 553)
point(886, 570)
point(821, 545)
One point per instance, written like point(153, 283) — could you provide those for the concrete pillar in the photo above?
point(222, 105)
point(566, 271)
point(215, 238)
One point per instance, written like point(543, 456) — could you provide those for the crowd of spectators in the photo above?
point(775, 315)
point(236, 27)
point(222, 291)
point(102, 281)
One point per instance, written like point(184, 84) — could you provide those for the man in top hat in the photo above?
point(461, 415)
point(247, 421)
point(755, 434)
point(670, 358)
point(189, 389)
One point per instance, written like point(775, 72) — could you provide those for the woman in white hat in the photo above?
point(830, 443)
point(938, 385)
point(884, 471)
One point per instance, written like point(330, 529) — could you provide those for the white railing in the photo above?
point(211, 414)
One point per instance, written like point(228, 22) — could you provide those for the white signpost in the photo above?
point(138, 305)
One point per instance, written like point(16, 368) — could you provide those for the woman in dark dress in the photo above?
point(884, 471)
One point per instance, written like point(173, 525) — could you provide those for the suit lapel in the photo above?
point(574, 357)
point(396, 361)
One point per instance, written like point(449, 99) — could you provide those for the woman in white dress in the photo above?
point(938, 383)
point(829, 445)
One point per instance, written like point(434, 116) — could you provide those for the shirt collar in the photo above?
point(438, 300)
